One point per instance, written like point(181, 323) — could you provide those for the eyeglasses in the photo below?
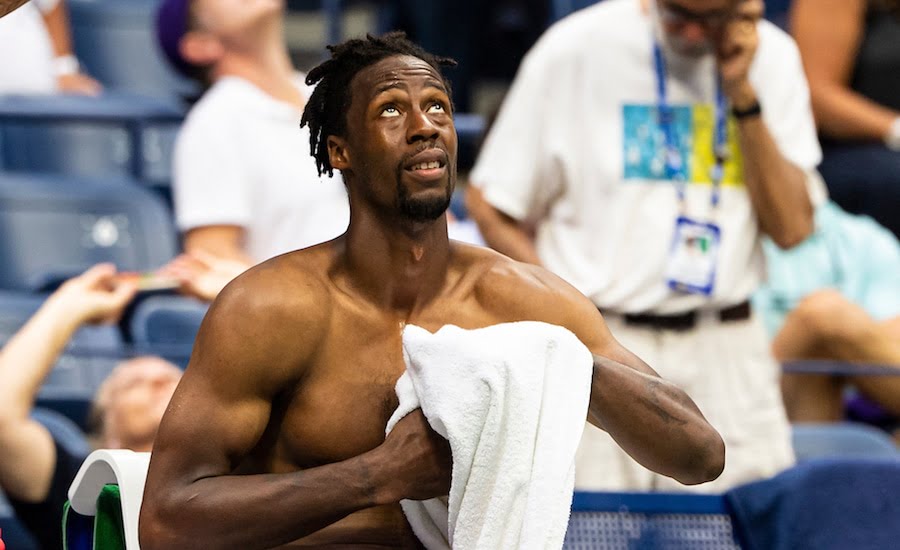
point(673, 14)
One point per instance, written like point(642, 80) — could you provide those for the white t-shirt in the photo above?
point(242, 159)
point(576, 148)
point(26, 52)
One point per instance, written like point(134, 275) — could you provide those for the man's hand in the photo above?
point(418, 460)
point(78, 83)
point(735, 49)
point(95, 296)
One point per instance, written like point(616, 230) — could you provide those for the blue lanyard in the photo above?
point(666, 121)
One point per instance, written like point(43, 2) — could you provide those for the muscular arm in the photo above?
point(500, 231)
point(654, 421)
point(251, 348)
point(828, 33)
point(651, 419)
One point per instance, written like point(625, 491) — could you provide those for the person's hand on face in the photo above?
point(95, 296)
point(736, 46)
point(78, 84)
point(422, 458)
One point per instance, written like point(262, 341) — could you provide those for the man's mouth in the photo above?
point(426, 165)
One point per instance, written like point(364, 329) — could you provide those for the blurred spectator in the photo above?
point(641, 154)
point(851, 52)
point(836, 296)
point(244, 190)
point(35, 472)
point(37, 52)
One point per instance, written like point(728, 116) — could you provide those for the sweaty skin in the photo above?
point(275, 436)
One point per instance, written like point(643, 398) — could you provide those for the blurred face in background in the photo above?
point(692, 27)
point(132, 400)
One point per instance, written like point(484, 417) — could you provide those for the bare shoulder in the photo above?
point(514, 291)
point(273, 315)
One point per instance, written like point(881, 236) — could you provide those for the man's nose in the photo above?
point(421, 127)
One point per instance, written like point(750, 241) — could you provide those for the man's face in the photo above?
point(401, 141)
point(230, 19)
point(139, 396)
point(692, 27)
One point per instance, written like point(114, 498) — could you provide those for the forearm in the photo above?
point(844, 114)
point(259, 511)
point(656, 423)
point(28, 357)
point(57, 23)
point(777, 188)
point(501, 232)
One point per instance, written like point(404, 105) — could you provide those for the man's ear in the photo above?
point(338, 154)
point(201, 48)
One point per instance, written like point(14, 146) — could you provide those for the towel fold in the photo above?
point(512, 401)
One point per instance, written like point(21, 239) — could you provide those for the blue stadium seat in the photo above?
point(116, 134)
point(116, 42)
point(55, 227)
point(845, 439)
point(649, 521)
point(824, 504)
point(167, 326)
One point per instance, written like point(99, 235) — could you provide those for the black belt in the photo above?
point(687, 320)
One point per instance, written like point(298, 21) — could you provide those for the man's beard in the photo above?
point(422, 209)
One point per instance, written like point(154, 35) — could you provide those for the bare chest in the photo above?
point(341, 408)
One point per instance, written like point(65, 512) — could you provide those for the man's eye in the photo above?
point(436, 108)
point(390, 111)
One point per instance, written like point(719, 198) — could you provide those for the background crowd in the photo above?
point(720, 177)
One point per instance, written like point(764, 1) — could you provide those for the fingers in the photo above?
point(96, 276)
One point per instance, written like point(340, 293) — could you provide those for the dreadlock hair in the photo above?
point(326, 110)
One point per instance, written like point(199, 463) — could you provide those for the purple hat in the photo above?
point(171, 26)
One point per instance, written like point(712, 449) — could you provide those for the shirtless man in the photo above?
point(276, 433)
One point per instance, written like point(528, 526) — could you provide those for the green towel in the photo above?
point(106, 532)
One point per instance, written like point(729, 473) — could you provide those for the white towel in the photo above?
point(512, 400)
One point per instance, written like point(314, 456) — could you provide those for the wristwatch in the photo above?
point(755, 109)
point(892, 139)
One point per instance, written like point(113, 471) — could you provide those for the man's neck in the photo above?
point(265, 63)
point(400, 265)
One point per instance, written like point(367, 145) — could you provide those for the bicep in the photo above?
point(205, 432)
point(243, 357)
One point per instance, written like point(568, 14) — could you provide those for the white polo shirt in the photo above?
point(26, 52)
point(242, 159)
point(576, 148)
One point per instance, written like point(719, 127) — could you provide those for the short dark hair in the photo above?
point(326, 110)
